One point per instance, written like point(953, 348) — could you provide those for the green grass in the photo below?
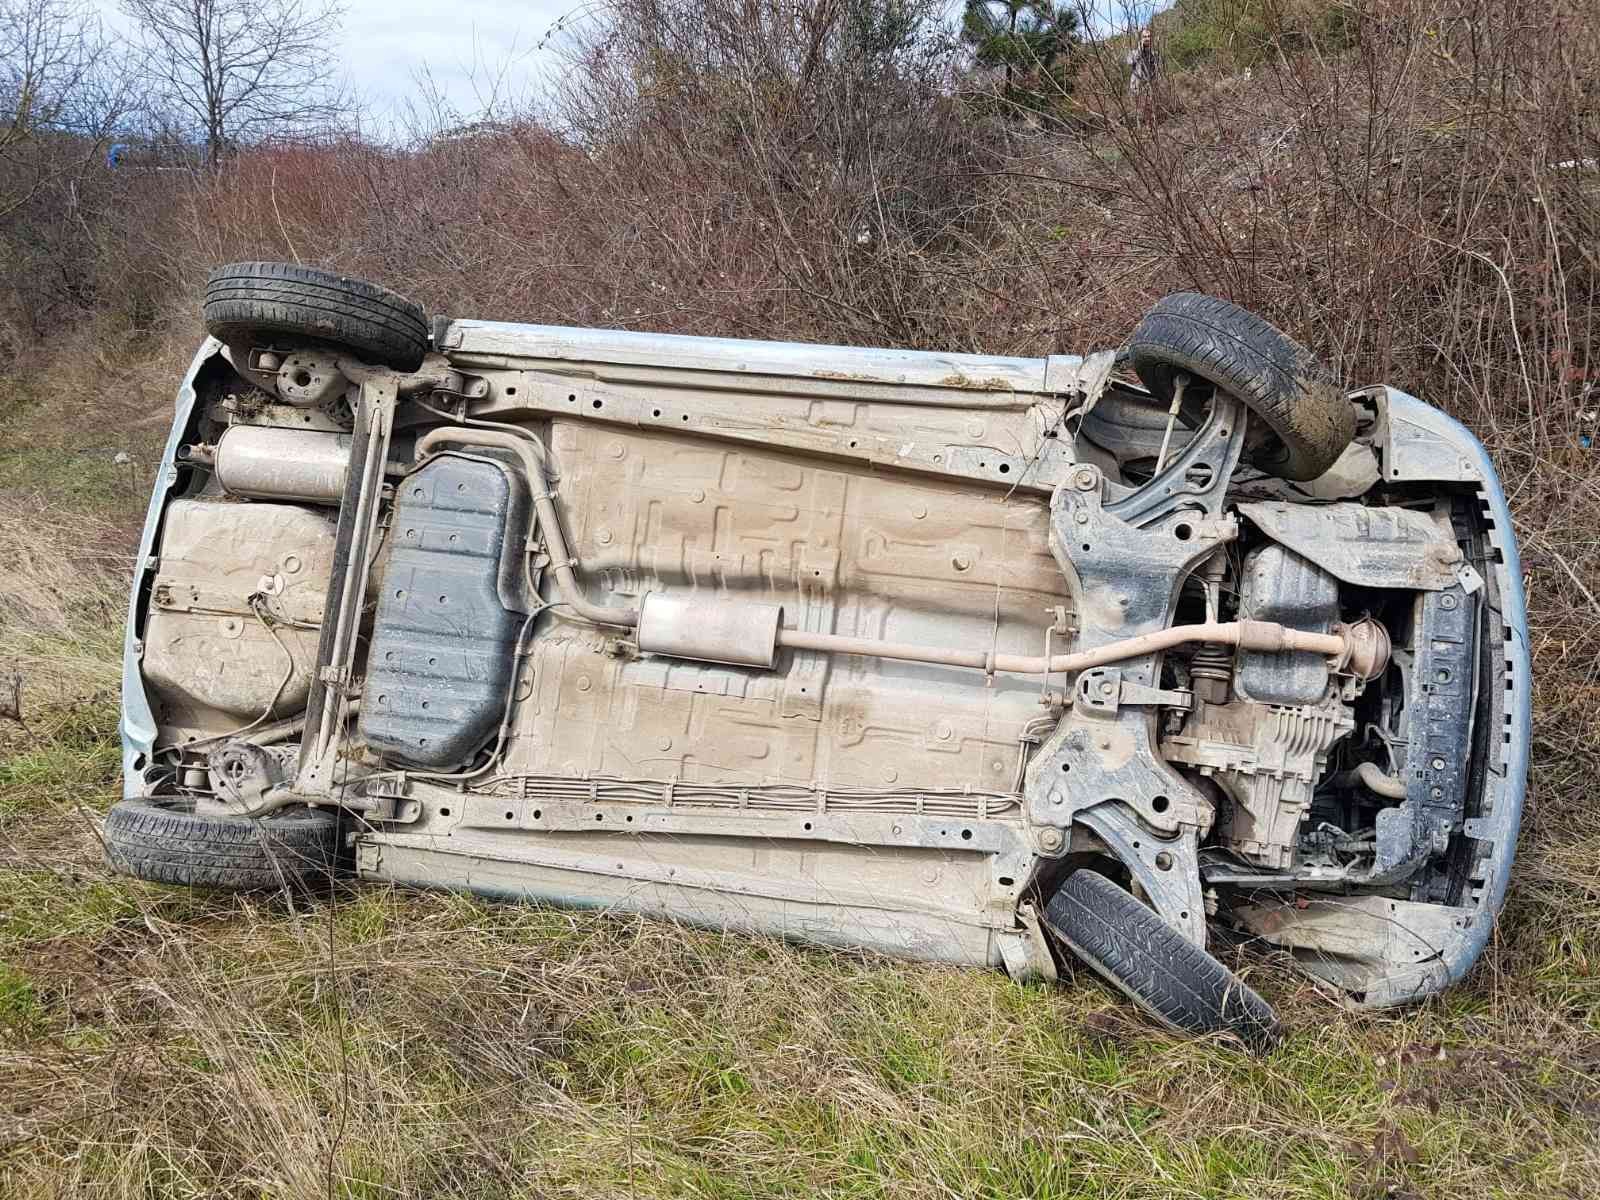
point(162, 1043)
point(82, 479)
point(77, 753)
point(176, 1044)
point(56, 449)
point(20, 1010)
point(1234, 34)
point(506, 1050)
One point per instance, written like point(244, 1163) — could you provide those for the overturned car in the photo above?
point(961, 658)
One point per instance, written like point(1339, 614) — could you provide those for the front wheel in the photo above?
point(1308, 421)
point(1154, 965)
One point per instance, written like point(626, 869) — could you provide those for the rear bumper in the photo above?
point(138, 724)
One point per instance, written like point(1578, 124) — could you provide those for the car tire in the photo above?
point(255, 301)
point(1279, 380)
point(1154, 965)
point(166, 841)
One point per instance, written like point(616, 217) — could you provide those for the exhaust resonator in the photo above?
point(741, 633)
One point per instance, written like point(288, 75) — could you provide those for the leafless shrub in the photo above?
point(53, 77)
point(1413, 195)
point(62, 90)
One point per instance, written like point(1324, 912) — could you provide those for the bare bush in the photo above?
point(53, 77)
point(62, 91)
point(1412, 195)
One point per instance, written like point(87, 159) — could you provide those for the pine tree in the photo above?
point(1029, 39)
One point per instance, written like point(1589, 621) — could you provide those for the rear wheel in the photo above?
point(166, 841)
point(1308, 422)
point(264, 301)
point(1153, 964)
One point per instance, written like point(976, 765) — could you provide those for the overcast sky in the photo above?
point(470, 46)
point(466, 45)
point(466, 42)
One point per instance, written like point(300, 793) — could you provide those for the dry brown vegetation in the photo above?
point(1410, 187)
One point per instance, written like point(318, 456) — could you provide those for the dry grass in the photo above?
point(61, 605)
point(378, 1043)
point(1392, 199)
point(80, 438)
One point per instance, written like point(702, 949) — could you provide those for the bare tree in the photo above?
point(242, 69)
point(51, 78)
point(62, 91)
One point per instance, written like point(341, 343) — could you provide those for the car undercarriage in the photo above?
point(958, 658)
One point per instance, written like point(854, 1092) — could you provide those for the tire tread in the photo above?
point(1153, 964)
point(1276, 377)
point(162, 844)
point(266, 298)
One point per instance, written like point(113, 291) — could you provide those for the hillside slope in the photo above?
point(1389, 187)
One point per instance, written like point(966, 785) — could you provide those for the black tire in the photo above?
point(251, 301)
point(1276, 378)
point(166, 841)
point(1154, 965)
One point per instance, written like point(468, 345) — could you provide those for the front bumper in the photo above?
point(1425, 445)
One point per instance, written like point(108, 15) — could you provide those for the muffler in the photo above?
point(264, 463)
